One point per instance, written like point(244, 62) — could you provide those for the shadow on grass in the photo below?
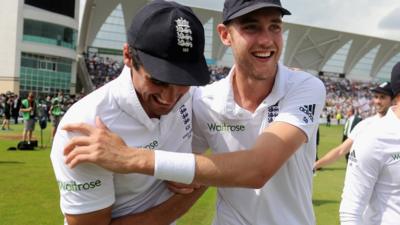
point(11, 162)
point(319, 202)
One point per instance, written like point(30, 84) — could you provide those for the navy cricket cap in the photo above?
point(384, 88)
point(169, 40)
point(395, 79)
point(236, 8)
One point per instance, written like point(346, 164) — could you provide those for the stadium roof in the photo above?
point(309, 48)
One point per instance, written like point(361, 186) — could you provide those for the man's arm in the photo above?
point(165, 213)
point(162, 214)
point(334, 154)
point(100, 217)
point(271, 150)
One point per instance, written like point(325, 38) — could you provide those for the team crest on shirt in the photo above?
point(309, 111)
point(184, 114)
point(272, 112)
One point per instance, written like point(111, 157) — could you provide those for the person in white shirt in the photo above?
point(371, 193)
point(149, 99)
point(261, 120)
point(382, 100)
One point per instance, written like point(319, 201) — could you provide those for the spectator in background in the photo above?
point(7, 111)
point(328, 119)
point(42, 113)
point(338, 117)
point(48, 103)
point(15, 108)
point(29, 110)
point(56, 111)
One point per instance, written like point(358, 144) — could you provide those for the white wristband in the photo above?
point(174, 166)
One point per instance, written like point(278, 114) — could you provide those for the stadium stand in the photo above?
point(342, 93)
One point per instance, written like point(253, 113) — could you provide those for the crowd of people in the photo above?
point(102, 69)
point(33, 109)
point(218, 72)
point(344, 94)
point(10, 104)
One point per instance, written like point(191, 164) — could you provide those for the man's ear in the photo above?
point(127, 56)
point(224, 34)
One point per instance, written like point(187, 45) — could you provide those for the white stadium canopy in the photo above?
point(317, 50)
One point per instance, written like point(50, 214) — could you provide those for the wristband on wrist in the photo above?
point(174, 166)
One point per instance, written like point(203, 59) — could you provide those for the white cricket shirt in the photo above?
point(222, 125)
point(89, 187)
point(371, 193)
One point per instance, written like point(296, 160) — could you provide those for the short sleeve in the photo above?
point(85, 188)
point(303, 105)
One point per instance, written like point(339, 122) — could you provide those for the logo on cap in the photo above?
point(184, 34)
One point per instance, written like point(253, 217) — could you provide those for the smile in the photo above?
point(160, 102)
point(264, 55)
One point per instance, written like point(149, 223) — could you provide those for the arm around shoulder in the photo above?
point(256, 165)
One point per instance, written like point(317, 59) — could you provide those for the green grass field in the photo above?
point(29, 193)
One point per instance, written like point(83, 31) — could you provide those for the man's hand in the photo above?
point(180, 188)
point(99, 146)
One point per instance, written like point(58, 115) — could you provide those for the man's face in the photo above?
point(381, 102)
point(256, 41)
point(157, 98)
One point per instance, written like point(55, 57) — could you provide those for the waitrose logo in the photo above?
point(396, 156)
point(73, 186)
point(225, 127)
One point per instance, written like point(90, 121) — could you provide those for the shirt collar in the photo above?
point(278, 91)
